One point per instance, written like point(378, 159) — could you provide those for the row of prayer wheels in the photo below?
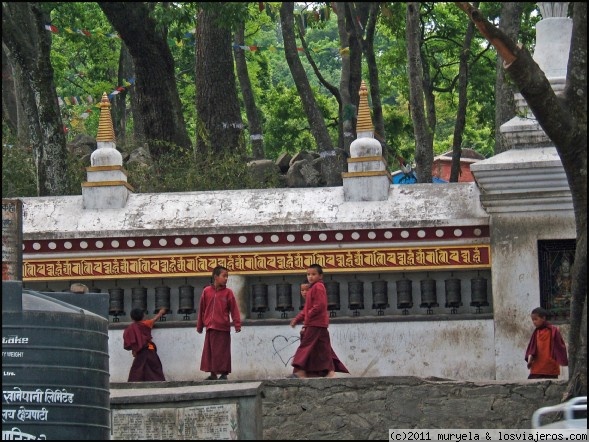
point(284, 299)
point(380, 296)
point(116, 306)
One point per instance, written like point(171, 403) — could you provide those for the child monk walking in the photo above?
point(315, 357)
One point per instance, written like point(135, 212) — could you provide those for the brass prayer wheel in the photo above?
point(333, 297)
point(116, 303)
point(404, 295)
point(380, 296)
point(284, 298)
point(453, 294)
point(260, 298)
point(162, 299)
point(478, 290)
point(186, 300)
point(429, 296)
point(139, 298)
point(356, 296)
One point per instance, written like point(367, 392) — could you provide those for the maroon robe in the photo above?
point(337, 364)
point(147, 365)
point(216, 352)
point(314, 353)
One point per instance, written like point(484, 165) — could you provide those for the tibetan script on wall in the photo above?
point(253, 263)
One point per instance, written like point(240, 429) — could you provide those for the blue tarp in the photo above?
point(401, 178)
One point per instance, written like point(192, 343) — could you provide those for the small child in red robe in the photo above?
point(315, 357)
point(546, 351)
point(337, 364)
point(147, 365)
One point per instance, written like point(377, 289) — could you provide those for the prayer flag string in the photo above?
point(79, 100)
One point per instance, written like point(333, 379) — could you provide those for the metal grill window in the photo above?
point(556, 259)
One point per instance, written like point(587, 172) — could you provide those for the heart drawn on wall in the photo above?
point(283, 346)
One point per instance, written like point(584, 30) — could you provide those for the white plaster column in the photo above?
point(238, 284)
point(553, 41)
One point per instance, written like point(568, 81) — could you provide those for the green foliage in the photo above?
point(76, 167)
point(180, 171)
point(18, 169)
point(286, 125)
point(399, 130)
point(87, 65)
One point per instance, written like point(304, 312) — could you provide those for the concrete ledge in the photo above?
point(158, 392)
point(173, 411)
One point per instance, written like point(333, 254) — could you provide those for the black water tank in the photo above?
point(55, 371)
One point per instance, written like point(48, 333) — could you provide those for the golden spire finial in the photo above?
point(364, 122)
point(106, 131)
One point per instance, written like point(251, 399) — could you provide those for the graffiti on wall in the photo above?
point(285, 347)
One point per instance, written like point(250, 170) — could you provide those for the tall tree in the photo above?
point(11, 106)
point(251, 110)
point(509, 23)
point(564, 120)
point(462, 103)
point(217, 104)
point(347, 107)
point(119, 108)
point(367, 14)
point(332, 170)
point(424, 153)
point(159, 105)
point(29, 53)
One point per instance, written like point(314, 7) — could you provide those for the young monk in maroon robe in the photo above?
point(315, 355)
point(338, 365)
point(217, 305)
point(546, 351)
point(147, 365)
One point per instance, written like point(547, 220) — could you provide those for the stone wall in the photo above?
point(366, 408)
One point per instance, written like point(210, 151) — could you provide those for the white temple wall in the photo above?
point(454, 349)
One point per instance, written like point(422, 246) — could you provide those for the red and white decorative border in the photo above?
point(239, 240)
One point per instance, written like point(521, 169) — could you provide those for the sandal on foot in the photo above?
point(211, 378)
point(223, 377)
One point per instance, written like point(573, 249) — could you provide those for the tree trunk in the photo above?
point(509, 22)
point(217, 104)
point(331, 168)
point(13, 111)
point(139, 137)
point(364, 25)
point(251, 110)
point(157, 97)
point(29, 53)
point(119, 108)
point(368, 49)
point(462, 102)
point(347, 110)
point(423, 135)
point(564, 120)
point(9, 102)
point(355, 55)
